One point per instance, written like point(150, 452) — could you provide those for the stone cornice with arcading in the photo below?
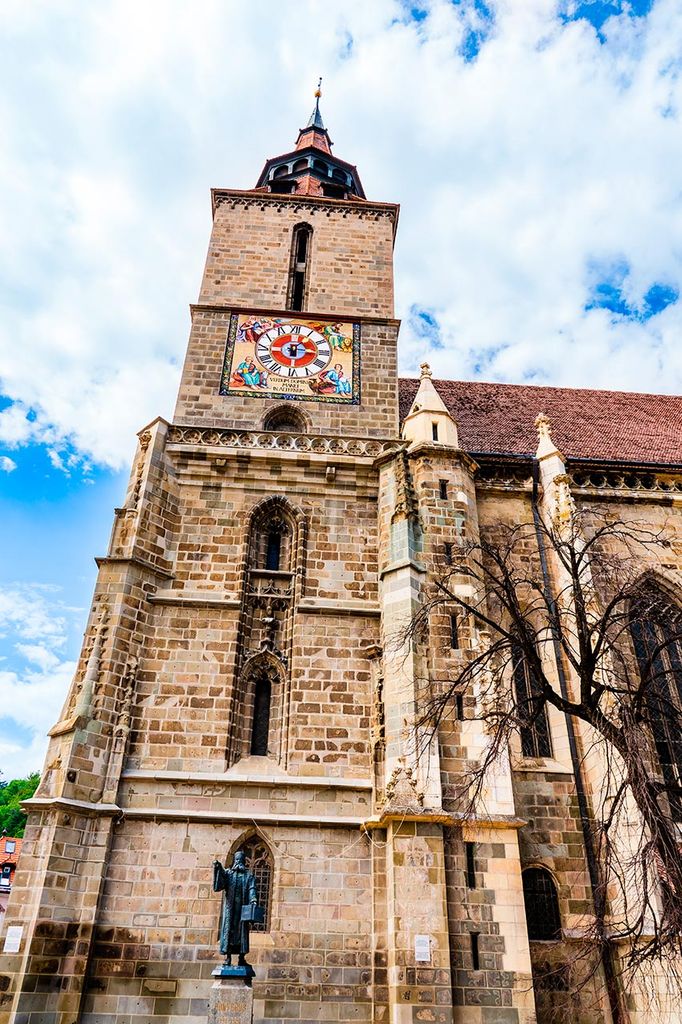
point(361, 208)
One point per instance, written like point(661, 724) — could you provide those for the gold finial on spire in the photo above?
point(318, 91)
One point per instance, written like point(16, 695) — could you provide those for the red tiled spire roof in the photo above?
point(616, 426)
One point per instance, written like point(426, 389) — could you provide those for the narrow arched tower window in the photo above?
point(542, 905)
point(260, 729)
point(300, 260)
point(532, 711)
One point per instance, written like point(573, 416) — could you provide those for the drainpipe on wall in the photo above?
point(618, 1012)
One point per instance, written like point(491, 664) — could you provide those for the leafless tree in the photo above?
point(601, 640)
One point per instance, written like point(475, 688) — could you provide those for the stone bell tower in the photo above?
point(228, 694)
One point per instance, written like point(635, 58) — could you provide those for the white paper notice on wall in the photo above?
point(422, 949)
point(13, 939)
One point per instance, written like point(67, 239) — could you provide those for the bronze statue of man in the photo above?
point(238, 886)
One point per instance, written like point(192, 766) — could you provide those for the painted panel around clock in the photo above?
point(292, 357)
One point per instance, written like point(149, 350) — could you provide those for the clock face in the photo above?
point(293, 350)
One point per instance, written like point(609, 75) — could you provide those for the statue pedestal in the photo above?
point(231, 998)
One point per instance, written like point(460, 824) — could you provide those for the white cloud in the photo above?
point(7, 465)
point(516, 172)
point(35, 675)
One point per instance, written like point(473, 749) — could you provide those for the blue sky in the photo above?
point(535, 150)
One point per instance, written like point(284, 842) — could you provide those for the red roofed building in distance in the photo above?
point(10, 848)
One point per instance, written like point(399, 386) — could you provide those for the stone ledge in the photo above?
point(196, 599)
point(311, 781)
point(226, 817)
point(500, 821)
point(62, 803)
point(338, 607)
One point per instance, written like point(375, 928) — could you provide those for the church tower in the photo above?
point(240, 686)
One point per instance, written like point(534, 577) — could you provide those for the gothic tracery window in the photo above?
point(535, 736)
point(656, 629)
point(542, 905)
point(259, 861)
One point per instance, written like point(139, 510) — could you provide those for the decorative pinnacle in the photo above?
point(318, 91)
point(426, 371)
point(542, 425)
point(546, 445)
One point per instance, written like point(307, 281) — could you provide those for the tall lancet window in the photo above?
point(532, 711)
point(656, 629)
point(300, 261)
point(260, 727)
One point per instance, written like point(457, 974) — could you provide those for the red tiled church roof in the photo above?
point(614, 426)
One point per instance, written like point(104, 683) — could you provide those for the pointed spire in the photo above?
point(429, 420)
point(315, 120)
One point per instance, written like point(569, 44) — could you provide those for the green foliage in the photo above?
point(12, 818)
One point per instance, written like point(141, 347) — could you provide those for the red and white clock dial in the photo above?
point(293, 350)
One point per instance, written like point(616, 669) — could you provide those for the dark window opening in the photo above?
point(297, 292)
point(285, 419)
point(656, 638)
point(454, 632)
point(542, 905)
point(470, 852)
point(283, 187)
point(443, 488)
point(300, 165)
point(339, 175)
point(333, 191)
point(475, 955)
point(300, 256)
point(281, 172)
point(434, 431)
point(448, 552)
point(273, 551)
point(259, 861)
point(320, 167)
point(260, 729)
point(459, 707)
point(532, 711)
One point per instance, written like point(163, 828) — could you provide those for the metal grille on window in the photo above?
point(542, 905)
point(259, 861)
point(535, 739)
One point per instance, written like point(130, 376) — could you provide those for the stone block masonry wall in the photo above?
point(158, 922)
point(350, 259)
point(488, 943)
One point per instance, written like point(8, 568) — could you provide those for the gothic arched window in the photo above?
point(532, 711)
point(300, 260)
point(260, 726)
point(259, 861)
point(542, 905)
point(656, 629)
point(271, 540)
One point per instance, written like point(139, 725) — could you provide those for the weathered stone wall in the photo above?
point(156, 940)
point(350, 257)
